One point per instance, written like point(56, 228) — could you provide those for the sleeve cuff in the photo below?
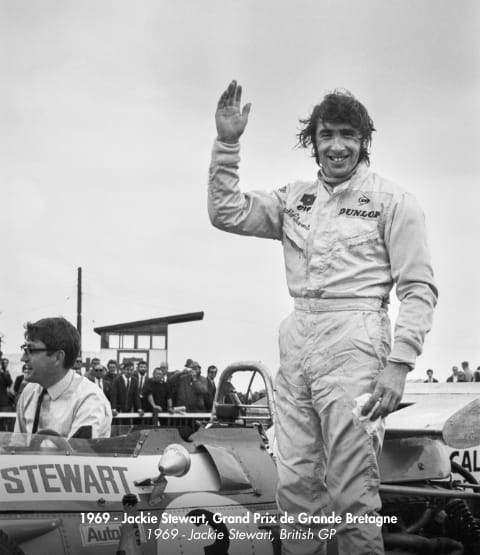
point(403, 353)
point(220, 147)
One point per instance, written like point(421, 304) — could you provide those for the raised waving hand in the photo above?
point(230, 120)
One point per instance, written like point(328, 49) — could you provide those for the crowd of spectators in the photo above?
point(130, 388)
point(463, 374)
point(133, 389)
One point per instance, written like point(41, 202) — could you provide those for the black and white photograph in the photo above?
point(238, 298)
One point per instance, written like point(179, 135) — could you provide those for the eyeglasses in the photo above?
point(30, 350)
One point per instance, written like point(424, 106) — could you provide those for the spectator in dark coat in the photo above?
point(5, 383)
point(124, 394)
point(157, 390)
point(189, 388)
point(112, 370)
point(5, 403)
point(211, 387)
point(19, 383)
point(142, 376)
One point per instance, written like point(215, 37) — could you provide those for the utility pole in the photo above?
point(79, 305)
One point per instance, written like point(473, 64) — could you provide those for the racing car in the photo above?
point(212, 492)
point(154, 491)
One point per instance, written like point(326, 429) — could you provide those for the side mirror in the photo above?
point(175, 461)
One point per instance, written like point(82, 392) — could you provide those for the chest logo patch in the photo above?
point(359, 213)
point(306, 202)
point(363, 199)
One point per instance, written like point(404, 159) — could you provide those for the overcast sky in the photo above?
point(106, 111)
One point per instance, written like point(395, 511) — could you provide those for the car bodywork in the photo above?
point(213, 493)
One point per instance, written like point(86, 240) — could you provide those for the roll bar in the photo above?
point(229, 411)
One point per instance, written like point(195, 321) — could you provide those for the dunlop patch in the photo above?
point(359, 213)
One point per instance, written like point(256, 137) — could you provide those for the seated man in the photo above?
point(55, 396)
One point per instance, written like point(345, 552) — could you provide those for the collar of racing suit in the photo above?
point(332, 181)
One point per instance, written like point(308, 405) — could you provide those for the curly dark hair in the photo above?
point(58, 335)
point(340, 106)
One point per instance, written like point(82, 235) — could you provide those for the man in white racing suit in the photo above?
point(348, 237)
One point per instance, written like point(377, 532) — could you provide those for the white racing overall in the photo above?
point(344, 248)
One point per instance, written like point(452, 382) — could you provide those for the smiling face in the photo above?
point(338, 148)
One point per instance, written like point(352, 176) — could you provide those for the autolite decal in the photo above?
point(104, 534)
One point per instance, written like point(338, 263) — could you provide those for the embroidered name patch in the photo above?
point(295, 217)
